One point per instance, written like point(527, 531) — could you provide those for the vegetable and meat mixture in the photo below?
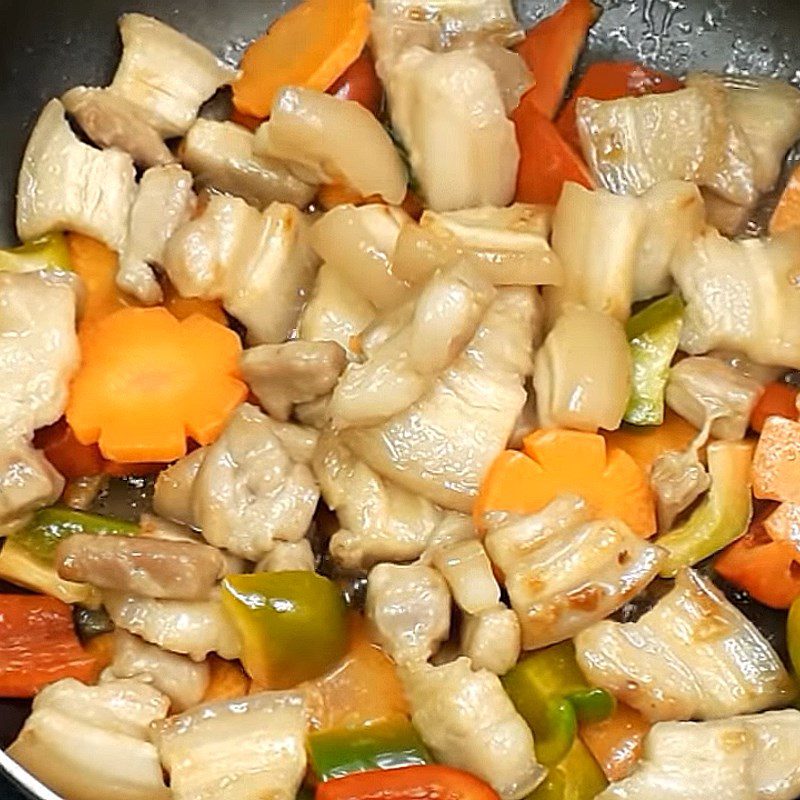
point(457, 387)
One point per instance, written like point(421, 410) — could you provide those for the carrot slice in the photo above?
point(787, 213)
point(228, 680)
point(783, 524)
point(769, 571)
point(147, 381)
point(611, 80)
point(776, 463)
point(547, 162)
point(310, 46)
point(555, 462)
point(778, 400)
point(617, 741)
point(552, 48)
point(38, 645)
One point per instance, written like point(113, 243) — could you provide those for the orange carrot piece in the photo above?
point(559, 461)
point(611, 80)
point(183, 307)
point(776, 463)
point(787, 213)
point(769, 571)
point(228, 680)
point(645, 444)
point(96, 265)
point(616, 742)
point(148, 381)
point(310, 46)
point(783, 524)
point(38, 645)
point(101, 648)
point(547, 162)
point(552, 48)
point(779, 399)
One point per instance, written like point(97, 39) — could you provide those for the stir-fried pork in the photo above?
point(92, 742)
point(141, 565)
point(281, 375)
point(706, 390)
point(492, 639)
point(468, 572)
point(468, 722)
point(288, 556)
point(220, 154)
point(253, 747)
point(181, 679)
point(65, 184)
point(165, 74)
point(164, 202)
point(743, 758)
point(323, 139)
point(409, 607)
point(570, 577)
point(693, 656)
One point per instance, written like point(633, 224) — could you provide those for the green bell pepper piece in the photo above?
point(52, 525)
point(577, 777)
point(49, 252)
point(551, 694)
point(380, 745)
point(793, 636)
point(653, 336)
point(292, 625)
point(722, 517)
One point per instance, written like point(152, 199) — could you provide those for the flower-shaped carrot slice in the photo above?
point(556, 462)
point(148, 381)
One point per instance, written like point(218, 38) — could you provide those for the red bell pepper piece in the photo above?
point(778, 400)
point(38, 645)
point(552, 48)
point(611, 80)
point(546, 160)
point(360, 84)
point(430, 782)
point(768, 570)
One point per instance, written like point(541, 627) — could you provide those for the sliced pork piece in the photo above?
point(468, 572)
point(380, 520)
point(110, 120)
point(286, 556)
point(693, 656)
point(89, 742)
point(336, 312)
point(164, 202)
point(192, 628)
point(251, 490)
point(359, 243)
point(442, 445)
point(634, 143)
point(743, 758)
point(742, 296)
point(492, 639)
point(467, 721)
point(181, 679)
point(399, 370)
point(571, 578)
point(582, 372)
point(165, 74)
point(172, 498)
point(281, 375)
point(409, 608)
point(449, 113)
point(67, 185)
point(324, 139)
point(27, 480)
point(260, 265)
point(677, 478)
point(252, 747)
point(141, 565)
point(220, 154)
point(706, 390)
point(38, 349)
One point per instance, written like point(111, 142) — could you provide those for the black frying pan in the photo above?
point(51, 45)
